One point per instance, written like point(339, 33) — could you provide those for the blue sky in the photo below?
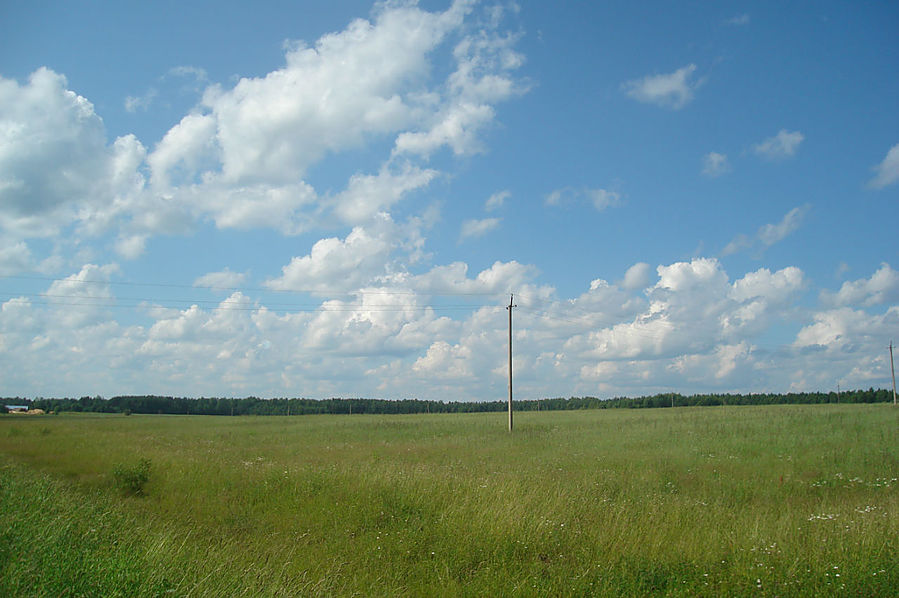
point(337, 199)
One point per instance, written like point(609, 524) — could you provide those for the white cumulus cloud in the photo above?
point(56, 167)
point(367, 195)
point(637, 276)
point(882, 287)
point(887, 172)
point(672, 90)
point(781, 146)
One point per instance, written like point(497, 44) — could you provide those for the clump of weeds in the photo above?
point(131, 479)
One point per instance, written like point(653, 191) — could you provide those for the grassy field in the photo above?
point(767, 501)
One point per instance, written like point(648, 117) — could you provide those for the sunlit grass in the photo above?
point(775, 500)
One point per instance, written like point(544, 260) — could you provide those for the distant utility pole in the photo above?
point(510, 308)
point(892, 371)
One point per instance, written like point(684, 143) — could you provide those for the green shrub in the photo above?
point(131, 480)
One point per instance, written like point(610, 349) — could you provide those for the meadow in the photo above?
point(786, 500)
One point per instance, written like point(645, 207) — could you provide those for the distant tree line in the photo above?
point(257, 406)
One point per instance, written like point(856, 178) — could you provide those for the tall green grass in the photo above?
point(774, 500)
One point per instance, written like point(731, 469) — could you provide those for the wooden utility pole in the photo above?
point(893, 371)
point(511, 306)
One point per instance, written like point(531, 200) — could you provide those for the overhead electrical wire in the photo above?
point(589, 320)
point(111, 302)
point(144, 300)
point(76, 300)
point(311, 291)
point(105, 301)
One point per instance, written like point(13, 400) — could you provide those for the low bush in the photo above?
point(131, 479)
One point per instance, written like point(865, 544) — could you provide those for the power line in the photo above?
point(332, 292)
point(588, 321)
point(110, 302)
point(142, 300)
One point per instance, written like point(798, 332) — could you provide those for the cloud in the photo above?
point(721, 362)
point(557, 197)
point(241, 156)
point(845, 328)
point(777, 287)
point(781, 146)
point(484, 63)
point(142, 103)
point(445, 361)
point(477, 228)
point(495, 201)
point(287, 208)
point(696, 326)
point(188, 145)
point(14, 258)
point(682, 316)
point(190, 72)
point(364, 83)
point(332, 96)
point(87, 293)
point(603, 199)
point(89, 282)
point(481, 79)
point(637, 276)
point(501, 278)
point(55, 165)
point(336, 265)
point(882, 287)
point(673, 90)
point(599, 198)
point(131, 247)
point(887, 172)
point(739, 20)
point(694, 330)
point(367, 195)
point(224, 279)
point(769, 234)
point(715, 164)
point(386, 321)
point(684, 276)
